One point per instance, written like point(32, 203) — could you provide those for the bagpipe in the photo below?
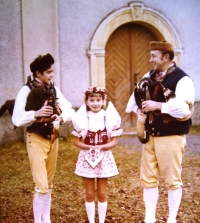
point(37, 97)
point(143, 91)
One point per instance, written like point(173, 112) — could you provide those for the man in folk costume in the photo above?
point(42, 141)
point(167, 122)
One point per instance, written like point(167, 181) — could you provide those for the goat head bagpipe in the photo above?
point(37, 98)
point(143, 91)
point(45, 126)
point(39, 93)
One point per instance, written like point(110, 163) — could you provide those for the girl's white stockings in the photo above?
point(41, 207)
point(90, 209)
point(174, 200)
point(150, 200)
point(102, 208)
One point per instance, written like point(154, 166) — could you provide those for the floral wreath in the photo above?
point(98, 90)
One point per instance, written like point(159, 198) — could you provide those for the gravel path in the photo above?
point(193, 143)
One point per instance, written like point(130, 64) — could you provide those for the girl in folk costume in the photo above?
point(96, 131)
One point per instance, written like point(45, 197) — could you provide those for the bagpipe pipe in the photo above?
point(143, 91)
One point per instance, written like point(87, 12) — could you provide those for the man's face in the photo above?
point(158, 60)
point(47, 75)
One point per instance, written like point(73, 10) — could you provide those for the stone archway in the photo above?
point(136, 12)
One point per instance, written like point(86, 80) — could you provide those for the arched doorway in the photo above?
point(126, 61)
point(138, 14)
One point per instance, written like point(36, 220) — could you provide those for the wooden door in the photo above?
point(127, 60)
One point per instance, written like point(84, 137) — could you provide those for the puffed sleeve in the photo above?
point(80, 122)
point(113, 121)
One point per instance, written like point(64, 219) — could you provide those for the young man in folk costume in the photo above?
point(167, 107)
point(42, 141)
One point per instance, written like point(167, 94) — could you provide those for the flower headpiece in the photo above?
point(98, 90)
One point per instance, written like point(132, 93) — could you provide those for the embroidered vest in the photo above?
point(43, 128)
point(164, 124)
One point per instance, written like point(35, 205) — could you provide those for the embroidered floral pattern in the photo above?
point(93, 157)
point(105, 168)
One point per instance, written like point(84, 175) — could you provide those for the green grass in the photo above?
point(125, 203)
point(195, 129)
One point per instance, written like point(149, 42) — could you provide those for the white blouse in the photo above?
point(87, 120)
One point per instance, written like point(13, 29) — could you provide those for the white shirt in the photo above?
point(176, 107)
point(21, 117)
point(96, 121)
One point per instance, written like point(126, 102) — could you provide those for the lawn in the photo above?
point(125, 203)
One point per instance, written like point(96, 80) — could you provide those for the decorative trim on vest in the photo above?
point(164, 124)
point(42, 126)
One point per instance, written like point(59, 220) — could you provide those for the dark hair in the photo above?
point(41, 64)
point(41, 70)
point(171, 54)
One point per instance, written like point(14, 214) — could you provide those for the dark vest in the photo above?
point(164, 124)
point(44, 129)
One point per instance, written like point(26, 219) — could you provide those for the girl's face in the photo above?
point(95, 102)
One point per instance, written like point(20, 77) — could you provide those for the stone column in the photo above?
point(40, 33)
point(97, 67)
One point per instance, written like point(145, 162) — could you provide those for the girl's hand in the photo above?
point(78, 142)
point(57, 118)
point(109, 145)
point(101, 148)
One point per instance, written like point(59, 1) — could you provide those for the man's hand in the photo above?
point(139, 111)
point(149, 105)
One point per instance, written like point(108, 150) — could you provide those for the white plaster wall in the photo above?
point(11, 63)
point(11, 71)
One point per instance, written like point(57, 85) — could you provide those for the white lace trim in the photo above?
point(116, 133)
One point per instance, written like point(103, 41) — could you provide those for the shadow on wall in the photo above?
point(7, 132)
